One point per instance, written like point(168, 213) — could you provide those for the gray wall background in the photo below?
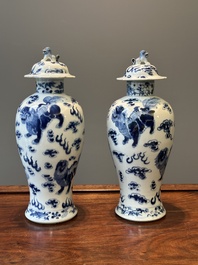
point(97, 39)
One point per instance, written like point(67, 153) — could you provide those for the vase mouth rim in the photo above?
point(141, 69)
point(49, 67)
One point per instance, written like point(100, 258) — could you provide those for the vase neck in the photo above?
point(50, 86)
point(140, 88)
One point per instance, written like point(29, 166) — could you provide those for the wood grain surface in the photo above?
point(96, 235)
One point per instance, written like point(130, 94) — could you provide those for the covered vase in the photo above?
point(49, 136)
point(140, 128)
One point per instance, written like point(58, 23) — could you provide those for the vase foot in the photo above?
point(51, 217)
point(141, 214)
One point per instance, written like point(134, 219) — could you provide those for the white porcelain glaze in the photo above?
point(50, 135)
point(140, 130)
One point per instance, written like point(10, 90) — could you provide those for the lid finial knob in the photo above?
point(142, 59)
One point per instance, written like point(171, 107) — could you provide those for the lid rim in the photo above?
point(49, 76)
point(141, 79)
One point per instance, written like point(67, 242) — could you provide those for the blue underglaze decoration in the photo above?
point(73, 126)
point(119, 156)
point(50, 87)
point(50, 136)
point(47, 216)
point(36, 120)
point(135, 69)
point(67, 203)
point(20, 150)
point(18, 134)
point(48, 165)
point(38, 215)
point(49, 184)
point(131, 101)
point(55, 70)
point(131, 212)
point(121, 176)
point(73, 100)
point(157, 211)
point(165, 126)
point(140, 88)
point(133, 126)
point(138, 172)
point(67, 104)
point(32, 99)
point(30, 171)
point(157, 197)
point(112, 134)
point(50, 152)
point(140, 132)
point(51, 99)
point(72, 158)
point(53, 202)
point(122, 198)
point(76, 143)
point(34, 189)
point(75, 112)
point(37, 204)
point(63, 174)
point(31, 149)
point(140, 156)
point(134, 186)
point(167, 107)
point(48, 178)
point(32, 163)
point(33, 72)
point(153, 144)
point(151, 102)
point(36, 72)
point(161, 161)
point(153, 185)
point(56, 215)
point(63, 143)
point(138, 198)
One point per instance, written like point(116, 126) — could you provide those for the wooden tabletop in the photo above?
point(97, 235)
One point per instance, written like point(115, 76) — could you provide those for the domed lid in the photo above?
point(49, 67)
point(141, 69)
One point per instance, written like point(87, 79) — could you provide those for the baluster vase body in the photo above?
point(140, 130)
point(49, 135)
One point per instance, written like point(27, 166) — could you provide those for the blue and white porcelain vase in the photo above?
point(49, 135)
point(140, 134)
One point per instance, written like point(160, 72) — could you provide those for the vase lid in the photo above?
point(49, 67)
point(141, 69)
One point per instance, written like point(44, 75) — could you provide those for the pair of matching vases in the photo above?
point(50, 132)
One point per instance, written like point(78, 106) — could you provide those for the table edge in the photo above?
point(99, 188)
